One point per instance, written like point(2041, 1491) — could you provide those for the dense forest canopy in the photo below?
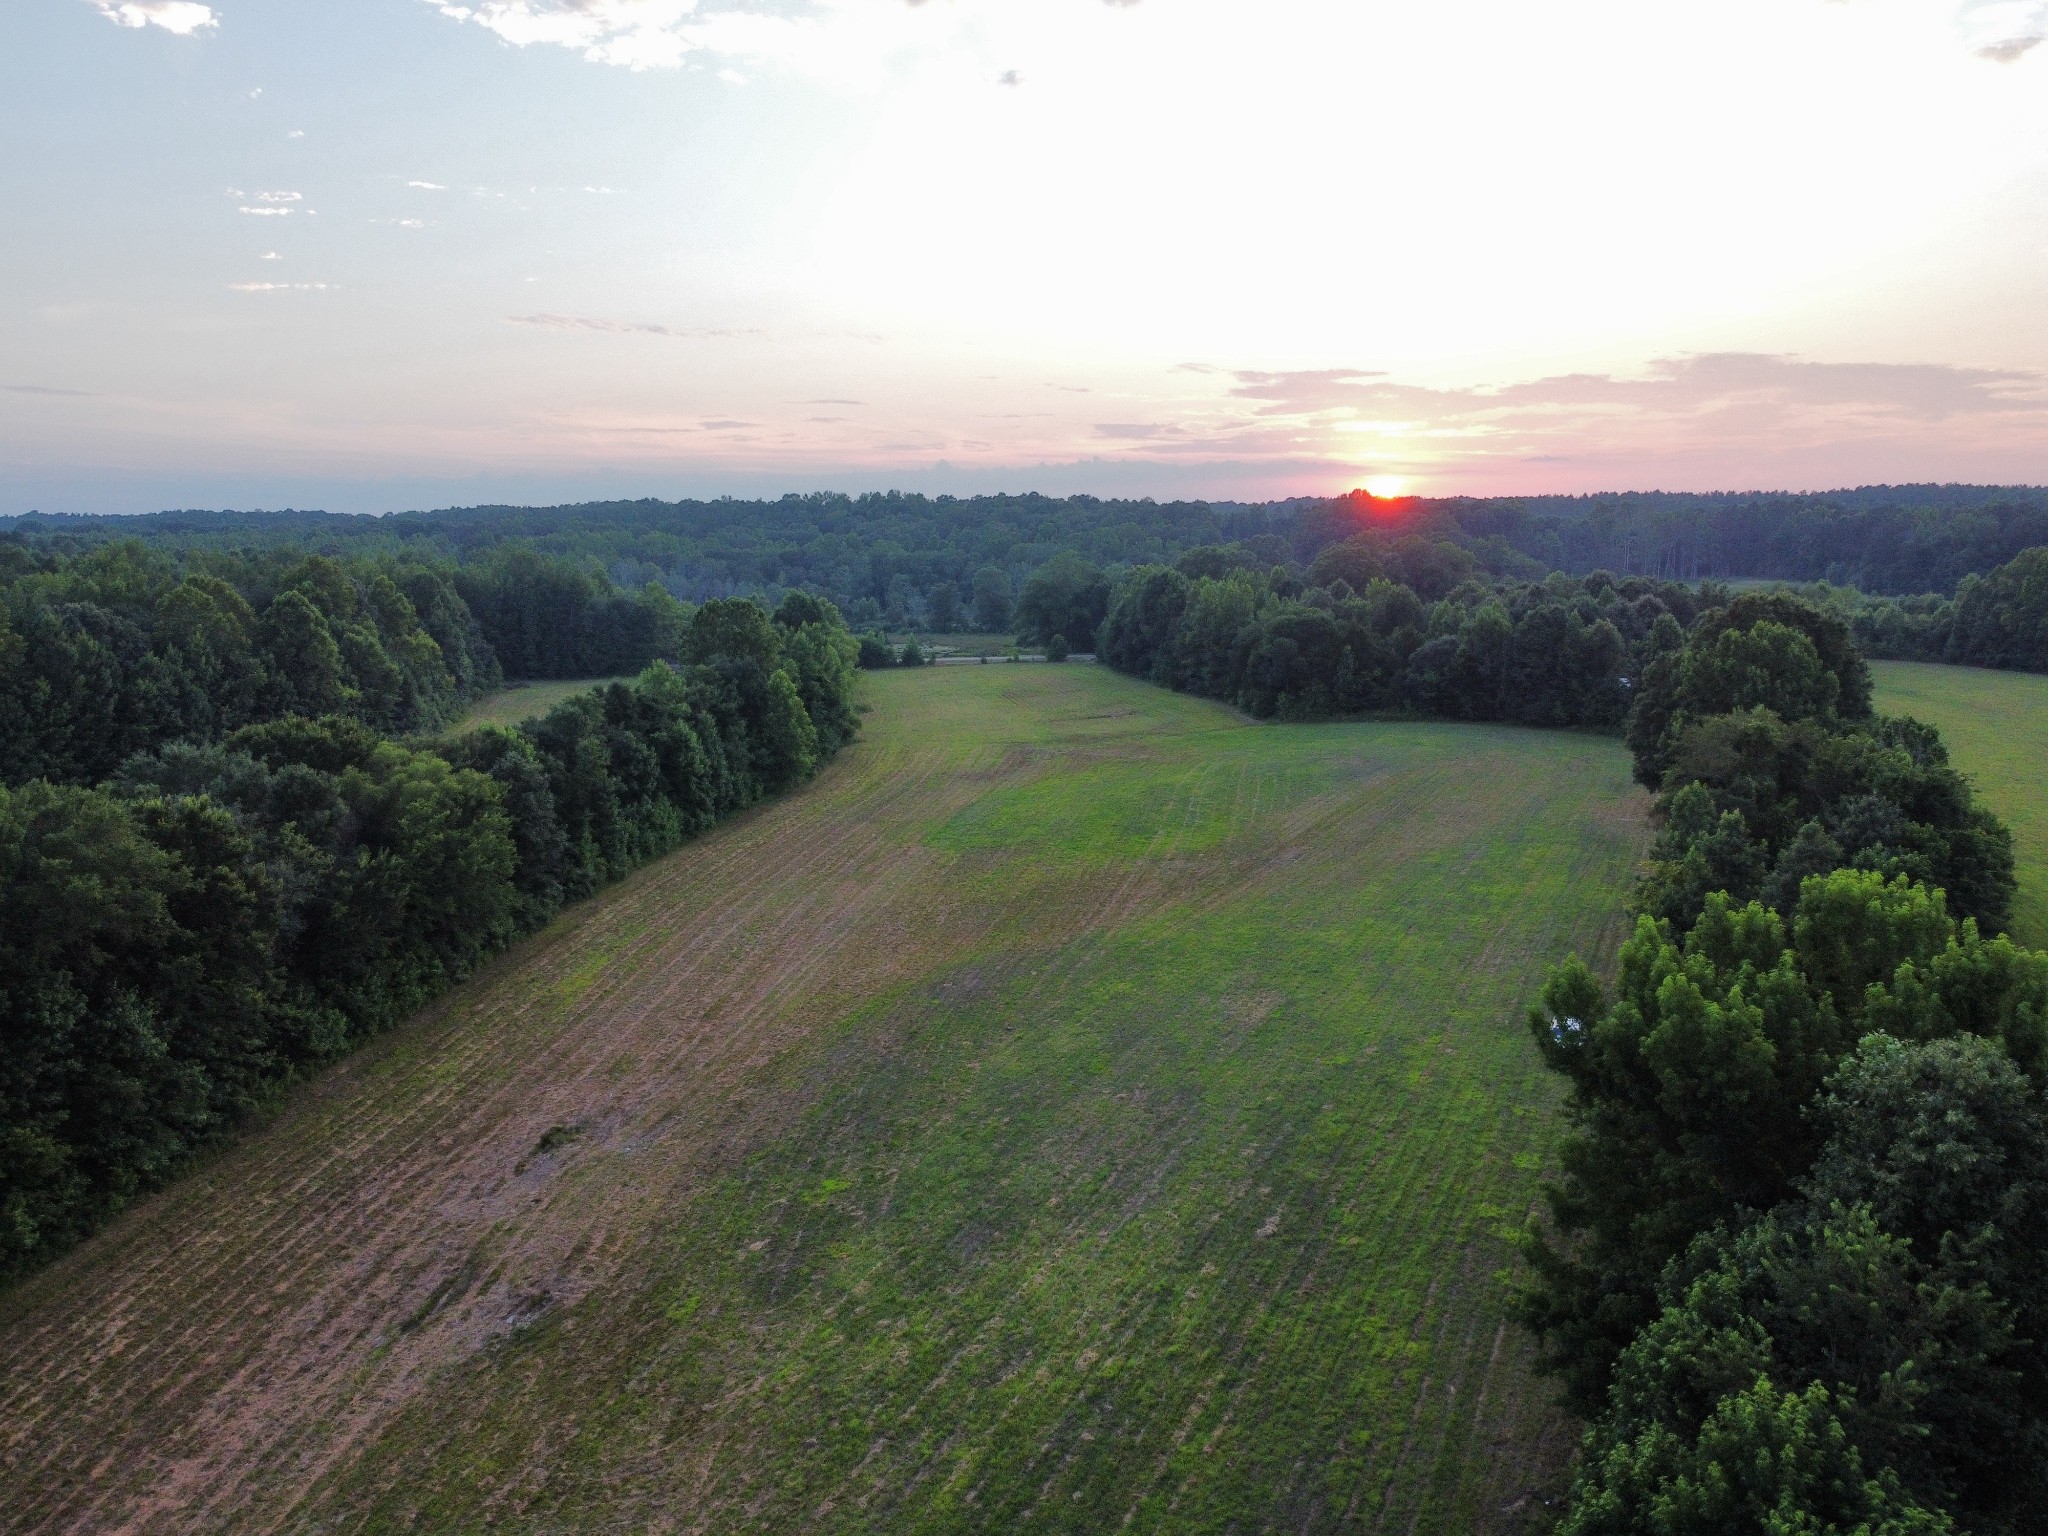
point(1792, 1269)
point(923, 562)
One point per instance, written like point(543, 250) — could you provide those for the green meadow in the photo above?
point(526, 701)
point(1080, 1110)
point(1996, 727)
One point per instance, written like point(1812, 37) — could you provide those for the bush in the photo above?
point(1056, 648)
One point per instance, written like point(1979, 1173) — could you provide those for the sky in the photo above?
point(385, 254)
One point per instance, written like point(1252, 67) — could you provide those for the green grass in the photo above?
point(964, 643)
point(1081, 1110)
point(1996, 727)
point(527, 701)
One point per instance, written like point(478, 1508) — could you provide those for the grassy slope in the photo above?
point(1996, 727)
point(526, 701)
point(1080, 1107)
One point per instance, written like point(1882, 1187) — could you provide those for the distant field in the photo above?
point(1078, 1111)
point(1996, 727)
point(966, 644)
point(526, 701)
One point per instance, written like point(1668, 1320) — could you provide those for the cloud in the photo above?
point(45, 389)
point(276, 204)
point(628, 327)
point(2003, 30)
point(183, 17)
point(1134, 431)
point(1679, 386)
point(270, 256)
point(832, 402)
point(839, 39)
point(636, 34)
point(283, 287)
point(427, 186)
point(1009, 77)
point(1705, 410)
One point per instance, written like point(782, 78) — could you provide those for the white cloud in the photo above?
point(2004, 29)
point(278, 213)
point(639, 34)
point(282, 287)
point(841, 40)
point(184, 17)
point(427, 186)
point(270, 256)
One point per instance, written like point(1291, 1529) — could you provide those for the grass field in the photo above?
point(1080, 1110)
point(526, 701)
point(1996, 727)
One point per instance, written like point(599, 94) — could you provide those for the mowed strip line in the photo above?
point(1077, 1109)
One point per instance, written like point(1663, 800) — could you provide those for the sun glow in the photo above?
point(1387, 487)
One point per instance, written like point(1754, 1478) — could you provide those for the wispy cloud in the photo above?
point(629, 327)
point(2004, 30)
point(283, 287)
point(267, 205)
point(427, 186)
point(638, 34)
point(45, 389)
point(1702, 410)
point(184, 17)
point(836, 39)
point(1681, 386)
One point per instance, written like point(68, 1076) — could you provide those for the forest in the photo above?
point(1791, 1273)
point(236, 837)
point(943, 563)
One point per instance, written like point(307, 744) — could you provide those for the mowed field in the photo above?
point(526, 701)
point(1996, 727)
point(1080, 1110)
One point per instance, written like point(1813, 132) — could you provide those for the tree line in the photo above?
point(937, 564)
point(1891, 539)
point(1794, 1273)
point(231, 908)
point(120, 646)
point(1996, 619)
point(1380, 622)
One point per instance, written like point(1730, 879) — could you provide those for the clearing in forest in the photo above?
point(1996, 727)
point(1078, 1110)
point(521, 702)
